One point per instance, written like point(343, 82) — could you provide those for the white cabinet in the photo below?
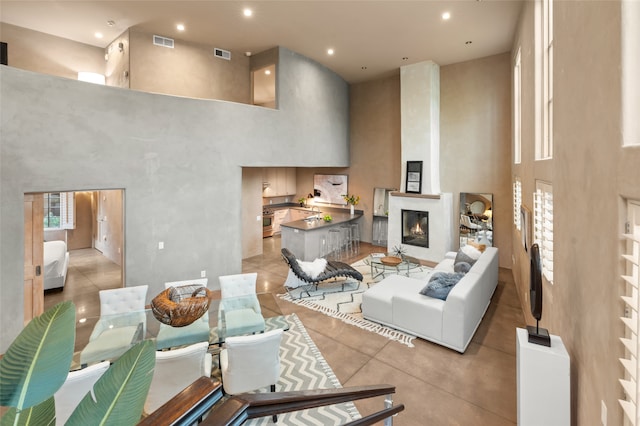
point(280, 217)
point(544, 387)
point(278, 181)
point(298, 214)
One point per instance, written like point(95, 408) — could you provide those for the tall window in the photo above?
point(59, 210)
point(517, 202)
point(543, 226)
point(517, 101)
point(631, 279)
point(630, 16)
point(544, 83)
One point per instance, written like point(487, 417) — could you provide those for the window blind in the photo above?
point(67, 210)
point(543, 227)
point(517, 202)
point(631, 278)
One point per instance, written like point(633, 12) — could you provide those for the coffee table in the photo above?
point(378, 268)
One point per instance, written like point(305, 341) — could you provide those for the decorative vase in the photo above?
point(351, 209)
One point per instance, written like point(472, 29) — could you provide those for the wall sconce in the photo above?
point(120, 47)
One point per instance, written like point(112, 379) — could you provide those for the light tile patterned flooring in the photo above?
point(438, 386)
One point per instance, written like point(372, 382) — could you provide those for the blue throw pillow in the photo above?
point(440, 284)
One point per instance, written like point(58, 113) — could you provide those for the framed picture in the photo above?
point(330, 188)
point(414, 177)
point(525, 227)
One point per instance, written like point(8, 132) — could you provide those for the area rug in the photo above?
point(342, 299)
point(304, 367)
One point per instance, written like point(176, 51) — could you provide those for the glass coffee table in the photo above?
point(378, 268)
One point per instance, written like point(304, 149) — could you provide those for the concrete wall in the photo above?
point(592, 177)
point(179, 161)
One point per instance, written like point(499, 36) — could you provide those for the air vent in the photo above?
point(221, 53)
point(163, 41)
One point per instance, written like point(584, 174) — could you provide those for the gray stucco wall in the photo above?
point(178, 160)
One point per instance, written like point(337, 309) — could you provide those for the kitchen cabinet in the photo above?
point(278, 181)
point(298, 214)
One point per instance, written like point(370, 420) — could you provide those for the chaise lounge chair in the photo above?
point(333, 269)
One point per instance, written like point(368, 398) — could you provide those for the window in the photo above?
point(631, 279)
point(59, 210)
point(630, 17)
point(517, 202)
point(544, 79)
point(543, 226)
point(517, 102)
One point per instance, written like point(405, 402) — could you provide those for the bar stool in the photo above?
point(323, 250)
point(347, 242)
point(355, 237)
point(334, 244)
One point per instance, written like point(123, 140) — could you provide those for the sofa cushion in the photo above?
point(440, 284)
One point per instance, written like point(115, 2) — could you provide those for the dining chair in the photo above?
point(122, 323)
point(175, 370)
point(197, 331)
point(251, 362)
point(239, 311)
point(74, 388)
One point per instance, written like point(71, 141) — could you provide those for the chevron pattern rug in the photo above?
point(342, 299)
point(304, 367)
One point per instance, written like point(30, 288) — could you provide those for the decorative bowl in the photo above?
point(391, 260)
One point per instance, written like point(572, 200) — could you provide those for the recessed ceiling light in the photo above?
point(247, 54)
point(468, 42)
point(180, 27)
point(330, 52)
point(247, 12)
point(405, 58)
point(446, 16)
point(111, 23)
point(267, 72)
point(364, 68)
point(98, 35)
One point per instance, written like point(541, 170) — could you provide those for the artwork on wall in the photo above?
point(330, 188)
point(525, 227)
point(414, 177)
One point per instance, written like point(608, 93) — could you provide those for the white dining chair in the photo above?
point(175, 370)
point(122, 323)
point(74, 388)
point(239, 311)
point(198, 330)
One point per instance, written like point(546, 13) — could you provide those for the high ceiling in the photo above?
point(370, 38)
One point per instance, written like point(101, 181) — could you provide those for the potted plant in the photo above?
point(351, 200)
point(302, 201)
point(37, 364)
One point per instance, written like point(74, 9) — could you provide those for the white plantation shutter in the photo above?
point(517, 202)
point(67, 210)
point(543, 226)
point(631, 279)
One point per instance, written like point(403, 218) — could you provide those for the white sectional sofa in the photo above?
point(396, 301)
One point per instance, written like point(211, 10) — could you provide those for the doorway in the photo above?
point(83, 239)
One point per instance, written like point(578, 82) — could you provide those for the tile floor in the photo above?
point(438, 386)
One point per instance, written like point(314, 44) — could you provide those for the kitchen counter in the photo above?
point(303, 237)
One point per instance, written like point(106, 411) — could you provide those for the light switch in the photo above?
point(160, 245)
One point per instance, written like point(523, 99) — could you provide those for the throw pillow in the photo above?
point(461, 267)
point(468, 254)
point(313, 269)
point(440, 284)
point(480, 247)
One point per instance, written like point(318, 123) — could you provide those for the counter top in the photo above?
point(309, 225)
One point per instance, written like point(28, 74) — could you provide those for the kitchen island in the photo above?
point(303, 237)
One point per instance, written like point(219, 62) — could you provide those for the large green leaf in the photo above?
point(37, 362)
point(121, 391)
point(42, 414)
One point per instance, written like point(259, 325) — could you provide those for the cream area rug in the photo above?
point(303, 368)
point(342, 299)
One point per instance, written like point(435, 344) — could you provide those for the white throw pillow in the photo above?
point(313, 269)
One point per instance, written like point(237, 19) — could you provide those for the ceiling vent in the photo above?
point(163, 41)
point(221, 53)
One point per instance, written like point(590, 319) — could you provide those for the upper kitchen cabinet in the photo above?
point(278, 181)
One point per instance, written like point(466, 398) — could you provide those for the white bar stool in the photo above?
point(355, 237)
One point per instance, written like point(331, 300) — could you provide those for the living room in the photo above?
point(582, 306)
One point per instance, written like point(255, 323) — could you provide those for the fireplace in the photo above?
point(415, 228)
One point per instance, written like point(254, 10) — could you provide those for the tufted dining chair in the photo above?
point(175, 370)
point(239, 311)
point(122, 323)
point(197, 331)
point(74, 388)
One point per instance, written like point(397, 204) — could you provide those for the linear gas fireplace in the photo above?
point(415, 228)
